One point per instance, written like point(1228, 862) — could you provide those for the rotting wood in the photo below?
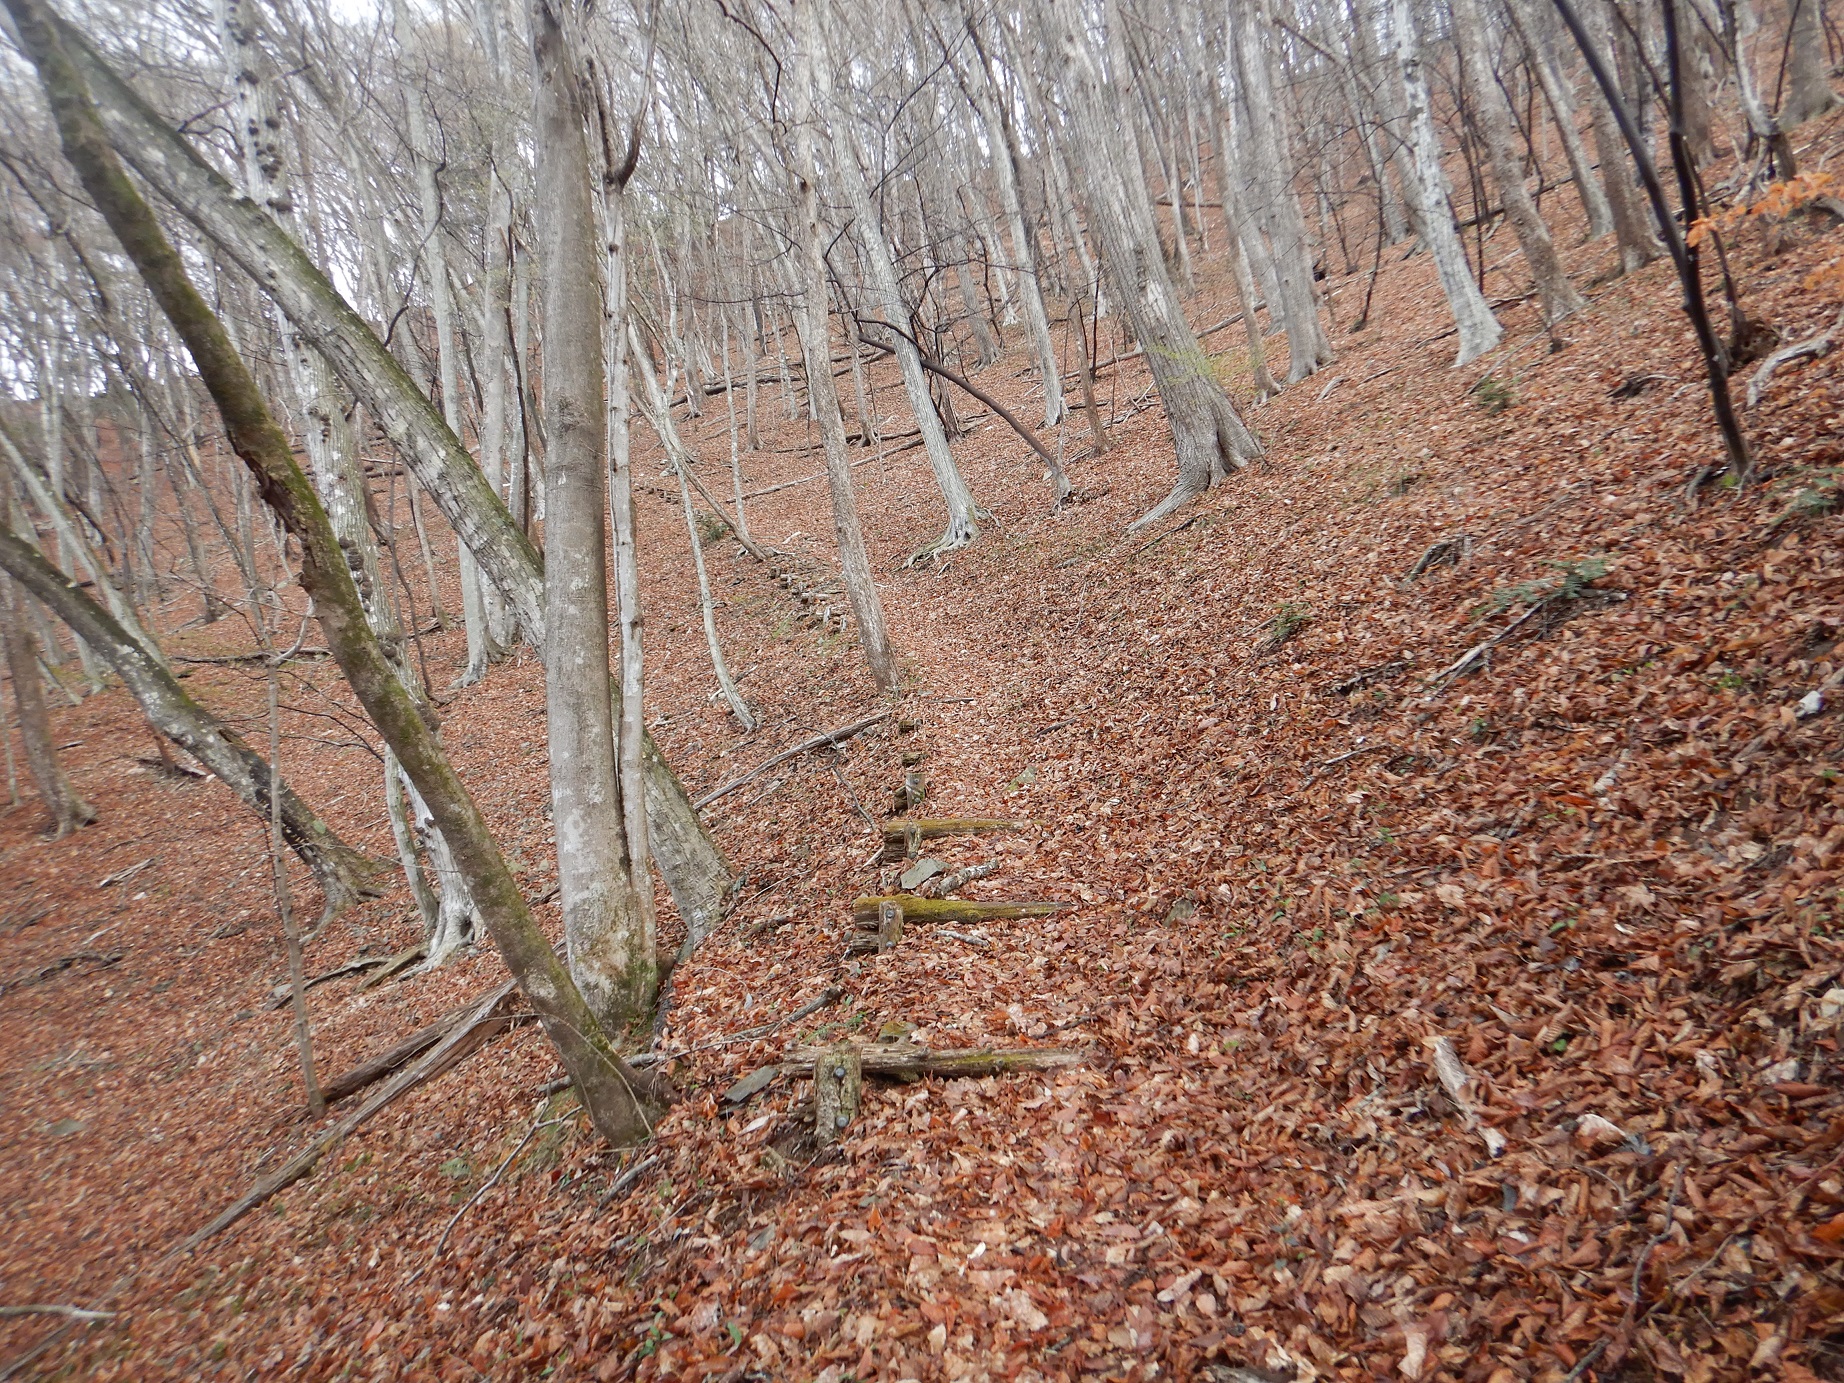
point(445, 1053)
point(911, 792)
point(889, 927)
point(378, 1067)
point(865, 911)
point(902, 836)
point(396, 965)
point(278, 994)
point(828, 739)
point(913, 1061)
point(838, 1087)
point(885, 935)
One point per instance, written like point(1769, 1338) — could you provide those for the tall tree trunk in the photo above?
point(1277, 205)
point(1554, 291)
point(1633, 235)
point(887, 299)
point(610, 946)
point(406, 416)
point(606, 1085)
point(1808, 86)
point(815, 338)
point(1534, 30)
point(68, 811)
point(1004, 144)
point(1479, 329)
point(481, 649)
point(1209, 437)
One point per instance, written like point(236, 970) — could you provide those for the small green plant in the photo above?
point(1289, 620)
point(1574, 578)
point(1493, 395)
point(711, 528)
point(1814, 492)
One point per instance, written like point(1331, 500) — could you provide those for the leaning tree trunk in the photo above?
point(811, 323)
point(337, 471)
point(68, 810)
point(1534, 31)
point(963, 522)
point(261, 248)
point(1554, 291)
point(1479, 329)
point(344, 874)
point(1210, 438)
point(607, 1086)
point(610, 944)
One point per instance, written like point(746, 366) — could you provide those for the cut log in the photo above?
point(865, 911)
point(838, 1085)
point(902, 836)
point(911, 1061)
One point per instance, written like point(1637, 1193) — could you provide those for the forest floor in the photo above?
point(1313, 859)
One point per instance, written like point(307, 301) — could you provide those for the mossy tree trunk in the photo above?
point(604, 1082)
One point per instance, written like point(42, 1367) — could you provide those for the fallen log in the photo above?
point(434, 1062)
point(913, 1061)
point(903, 836)
point(828, 739)
point(279, 994)
point(378, 1067)
point(866, 911)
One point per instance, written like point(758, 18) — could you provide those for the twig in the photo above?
point(828, 739)
point(967, 938)
point(806, 1010)
point(487, 1186)
point(626, 1179)
point(1475, 655)
point(1586, 1361)
point(75, 1313)
point(1363, 749)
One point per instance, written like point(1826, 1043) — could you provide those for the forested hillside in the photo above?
point(757, 689)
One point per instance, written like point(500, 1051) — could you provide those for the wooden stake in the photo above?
point(838, 1083)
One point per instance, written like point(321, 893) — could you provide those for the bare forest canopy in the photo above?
point(937, 689)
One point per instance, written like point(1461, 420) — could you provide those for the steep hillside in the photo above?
point(1449, 807)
